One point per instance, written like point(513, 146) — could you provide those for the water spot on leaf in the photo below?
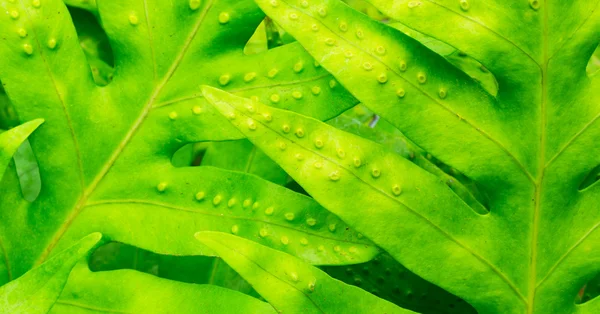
point(51, 43)
point(341, 153)
point(235, 229)
point(422, 78)
point(382, 78)
point(173, 115)
point(314, 27)
point(318, 165)
point(360, 34)
point(251, 125)
point(268, 117)
point(293, 16)
point(14, 14)
point(289, 216)
point(275, 98)
point(332, 227)
point(368, 66)
point(464, 5)
point(249, 77)
point(196, 110)
point(36, 3)
point(380, 50)
point(311, 285)
point(343, 26)
point(297, 95)
point(414, 4)
point(303, 241)
point(334, 176)
point(316, 90)
point(200, 196)
point(28, 49)
point(402, 65)
point(442, 93)
point(294, 276)
point(299, 157)
point(400, 93)
point(274, 3)
point(217, 199)
point(269, 211)
point(535, 4)
point(161, 187)
point(285, 240)
point(375, 173)
point(319, 143)
point(224, 79)
point(357, 162)
point(247, 203)
point(332, 84)
point(263, 233)
point(231, 202)
point(22, 32)
point(285, 128)
point(282, 146)
point(397, 189)
point(272, 73)
point(299, 132)
point(133, 19)
point(298, 67)
point(194, 4)
point(224, 18)
point(311, 221)
point(323, 12)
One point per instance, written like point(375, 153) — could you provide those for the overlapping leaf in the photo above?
point(38, 289)
point(290, 284)
point(104, 152)
point(530, 148)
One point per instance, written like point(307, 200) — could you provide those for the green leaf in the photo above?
point(11, 140)
point(332, 165)
point(126, 291)
point(416, 90)
point(290, 284)
point(38, 289)
point(105, 152)
point(387, 279)
point(243, 156)
point(531, 148)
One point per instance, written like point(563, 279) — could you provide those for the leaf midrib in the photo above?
point(541, 166)
point(127, 138)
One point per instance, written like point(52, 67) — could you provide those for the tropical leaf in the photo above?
point(530, 148)
point(290, 284)
point(389, 280)
point(105, 152)
point(38, 289)
point(538, 172)
point(87, 292)
point(243, 156)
